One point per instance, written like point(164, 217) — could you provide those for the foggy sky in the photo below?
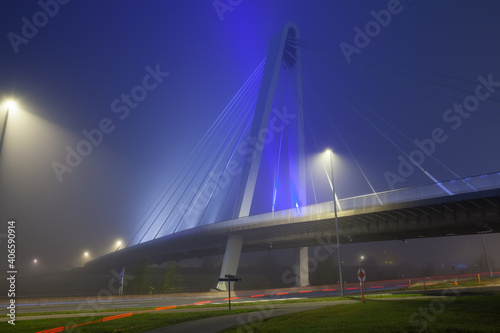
point(71, 73)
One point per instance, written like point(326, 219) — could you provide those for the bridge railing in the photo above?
point(452, 187)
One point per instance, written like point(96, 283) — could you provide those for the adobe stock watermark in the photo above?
point(426, 315)
point(222, 179)
point(103, 295)
point(222, 6)
point(372, 29)
point(293, 274)
point(121, 107)
point(30, 28)
point(250, 322)
point(453, 117)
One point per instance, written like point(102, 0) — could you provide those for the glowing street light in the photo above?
point(118, 244)
point(35, 261)
point(329, 152)
point(10, 105)
point(84, 258)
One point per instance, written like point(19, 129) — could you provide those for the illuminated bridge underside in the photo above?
point(461, 214)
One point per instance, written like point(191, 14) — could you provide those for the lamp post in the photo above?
point(10, 105)
point(490, 271)
point(336, 225)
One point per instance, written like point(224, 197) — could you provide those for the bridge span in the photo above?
point(206, 209)
point(424, 211)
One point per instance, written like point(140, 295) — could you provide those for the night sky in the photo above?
point(72, 72)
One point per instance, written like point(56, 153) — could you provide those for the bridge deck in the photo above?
point(427, 211)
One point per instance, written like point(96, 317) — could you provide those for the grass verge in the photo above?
point(447, 314)
point(460, 283)
point(137, 323)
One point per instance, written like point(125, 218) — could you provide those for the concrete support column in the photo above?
point(302, 261)
point(231, 259)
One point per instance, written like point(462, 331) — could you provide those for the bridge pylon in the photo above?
point(280, 56)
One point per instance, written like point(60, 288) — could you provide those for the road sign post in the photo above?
point(230, 278)
point(362, 278)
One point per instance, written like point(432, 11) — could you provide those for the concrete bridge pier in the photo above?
point(231, 259)
point(301, 264)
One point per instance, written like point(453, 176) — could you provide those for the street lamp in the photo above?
point(10, 105)
point(490, 271)
point(329, 152)
point(84, 258)
point(118, 244)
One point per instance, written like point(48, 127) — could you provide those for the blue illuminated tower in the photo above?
point(280, 56)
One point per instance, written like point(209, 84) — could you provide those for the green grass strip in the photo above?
point(135, 324)
point(438, 315)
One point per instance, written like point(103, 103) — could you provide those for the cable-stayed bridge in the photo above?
point(258, 178)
